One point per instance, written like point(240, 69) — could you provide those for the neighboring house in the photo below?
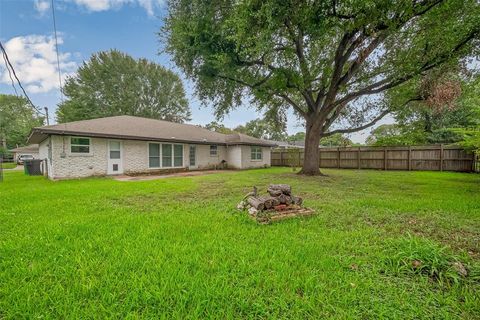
point(133, 145)
point(31, 149)
point(290, 144)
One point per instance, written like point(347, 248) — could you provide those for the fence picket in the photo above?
point(435, 158)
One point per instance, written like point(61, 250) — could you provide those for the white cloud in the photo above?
point(42, 6)
point(35, 62)
point(103, 5)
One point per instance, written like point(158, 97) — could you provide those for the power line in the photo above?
point(18, 80)
point(9, 74)
point(56, 48)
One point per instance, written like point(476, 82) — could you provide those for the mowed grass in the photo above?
point(8, 165)
point(178, 248)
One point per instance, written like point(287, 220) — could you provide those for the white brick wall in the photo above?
point(247, 161)
point(206, 161)
point(68, 165)
point(135, 157)
point(43, 154)
point(234, 157)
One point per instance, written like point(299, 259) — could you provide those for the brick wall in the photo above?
point(64, 164)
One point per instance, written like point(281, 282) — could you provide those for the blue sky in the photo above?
point(85, 27)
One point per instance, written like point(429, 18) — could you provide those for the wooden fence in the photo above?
point(436, 158)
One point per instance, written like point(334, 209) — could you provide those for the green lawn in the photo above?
point(8, 165)
point(178, 248)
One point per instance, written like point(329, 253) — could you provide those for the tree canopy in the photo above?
point(330, 61)
point(17, 118)
point(263, 129)
point(440, 104)
point(113, 83)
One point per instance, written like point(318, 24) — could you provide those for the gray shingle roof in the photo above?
point(136, 128)
point(30, 148)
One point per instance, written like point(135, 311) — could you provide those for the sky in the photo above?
point(88, 26)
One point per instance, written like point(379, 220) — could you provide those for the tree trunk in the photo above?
point(312, 141)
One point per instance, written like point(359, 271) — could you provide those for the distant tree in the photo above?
point(299, 136)
point(394, 135)
point(330, 61)
point(336, 140)
point(263, 129)
point(113, 83)
point(218, 127)
point(430, 107)
point(17, 118)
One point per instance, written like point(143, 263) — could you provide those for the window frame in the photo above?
point(80, 145)
point(182, 153)
point(119, 150)
point(172, 157)
point(159, 155)
point(256, 150)
point(216, 150)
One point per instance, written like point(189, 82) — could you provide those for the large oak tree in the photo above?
point(112, 83)
point(330, 61)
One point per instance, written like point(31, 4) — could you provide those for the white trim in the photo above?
point(119, 162)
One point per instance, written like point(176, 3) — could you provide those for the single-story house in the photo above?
point(134, 145)
point(290, 144)
point(31, 149)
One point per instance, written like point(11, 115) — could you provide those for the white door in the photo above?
point(192, 157)
point(115, 157)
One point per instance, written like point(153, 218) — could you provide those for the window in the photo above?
point(114, 150)
point(192, 155)
point(213, 150)
point(79, 145)
point(166, 155)
point(154, 155)
point(256, 153)
point(178, 155)
point(171, 155)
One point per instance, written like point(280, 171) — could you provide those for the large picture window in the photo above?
point(256, 153)
point(79, 145)
point(165, 155)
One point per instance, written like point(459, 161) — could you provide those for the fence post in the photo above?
point(319, 158)
point(441, 157)
point(409, 158)
point(385, 159)
point(281, 158)
point(338, 157)
point(358, 157)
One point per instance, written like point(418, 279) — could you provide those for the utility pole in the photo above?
point(46, 114)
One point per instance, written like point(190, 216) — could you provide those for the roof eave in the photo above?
point(43, 133)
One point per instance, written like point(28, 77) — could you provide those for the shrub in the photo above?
point(422, 257)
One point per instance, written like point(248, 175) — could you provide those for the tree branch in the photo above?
point(294, 105)
point(299, 52)
point(365, 126)
point(386, 84)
